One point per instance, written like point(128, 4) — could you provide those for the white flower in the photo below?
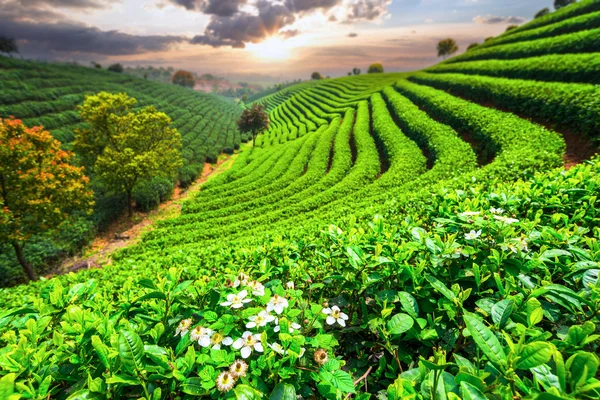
point(183, 327)
point(260, 320)
point(277, 348)
point(293, 326)
point(496, 211)
point(473, 235)
point(277, 303)
point(258, 288)
point(506, 220)
point(470, 213)
point(334, 314)
point(242, 279)
point(225, 381)
point(247, 343)
point(216, 339)
point(290, 285)
point(201, 335)
point(238, 368)
point(236, 300)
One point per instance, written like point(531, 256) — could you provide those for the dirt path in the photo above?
point(125, 232)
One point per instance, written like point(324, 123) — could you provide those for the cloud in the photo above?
point(221, 8)
point(310, 5)
point(289, 33)
point(81, 4)
point(352, 35)
point(493, 19)
point(243, 27)
point(365, 10)
point(71, 37)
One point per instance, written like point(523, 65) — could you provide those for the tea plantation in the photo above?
point(391, 236)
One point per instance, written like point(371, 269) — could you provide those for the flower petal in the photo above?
point(330, 320)
point(246, 351)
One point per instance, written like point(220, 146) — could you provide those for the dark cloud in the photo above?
point(289, 33)
point(366, 10)
point(70, 37)
point(352, 35)
point(82, 4)
point(310, 5)
point(493, 19)
point(221, 8)
point(242, 28)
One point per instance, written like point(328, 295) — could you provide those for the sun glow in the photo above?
point(273, 48)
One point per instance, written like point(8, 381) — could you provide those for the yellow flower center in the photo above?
point(216, 338)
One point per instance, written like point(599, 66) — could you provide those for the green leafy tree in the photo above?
point(116, 68)
point(39, 186)
point(184, 78)
point(356, 71)
point(472, 46)
point(375, 68)
point(558, 4)
point(316, 76)
point(125, 147)
point(8, 45)
point(542, 12)
point(245, 98)
point(254, 120)
point(447, 47)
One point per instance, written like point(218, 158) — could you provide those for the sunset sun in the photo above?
point(272, 49)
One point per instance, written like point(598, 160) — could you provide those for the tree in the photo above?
point(8, 45)
point(184, 78)
point(316, 76)
point(447, 47)
point(245, 98)
point(254, 120)
point(542, 12)
point(115, 68)
point(39, 185)
point(350, 73)
point(95, 65)
point(375, 68)
point(558, 4)
point(356, 71)
point(472, 46)
point(124, 147)
point(511, 27)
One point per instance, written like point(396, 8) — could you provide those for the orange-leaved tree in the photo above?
point(39, 185)
point(184, 78)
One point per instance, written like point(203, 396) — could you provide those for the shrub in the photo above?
point(116, 68)
point(376, 68)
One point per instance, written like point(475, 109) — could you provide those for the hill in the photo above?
point(433, 208)
point(48, 94)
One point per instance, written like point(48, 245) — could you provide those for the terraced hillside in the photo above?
point(433, 208)
point(48, 94)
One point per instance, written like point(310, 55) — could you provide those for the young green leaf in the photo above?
point(131, 350)
point(485, 339)
point(533, 355)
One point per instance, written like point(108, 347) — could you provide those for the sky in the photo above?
point(256, 40)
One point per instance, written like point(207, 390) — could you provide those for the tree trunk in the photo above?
point(253, 140)
point(129, 203)
point(26, 266)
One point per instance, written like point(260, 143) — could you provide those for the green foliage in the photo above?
point(316, 76)
point(567, 104)
point(8, 45)
point(375, 68)
point(254, 121)
point(124, 147)
point(558, 4)
point(541, 13)
point(446, 47)
point(116, 68)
